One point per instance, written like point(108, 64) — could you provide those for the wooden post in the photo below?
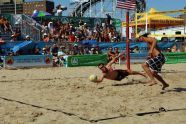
point(127, 40)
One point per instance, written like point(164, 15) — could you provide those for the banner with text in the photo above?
point(28, 61)
point(86, 60)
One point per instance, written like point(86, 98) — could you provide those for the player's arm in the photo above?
point(114, 59)
point(99, 79)
point(152, 46)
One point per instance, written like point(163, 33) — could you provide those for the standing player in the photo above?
point(154, 62)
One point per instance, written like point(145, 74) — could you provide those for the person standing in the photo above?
point(155, 60)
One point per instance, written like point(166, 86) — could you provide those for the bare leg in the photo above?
point(137, 73)
point(159, 78)
point(149, 73)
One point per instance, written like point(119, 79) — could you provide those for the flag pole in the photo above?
point(127, 40)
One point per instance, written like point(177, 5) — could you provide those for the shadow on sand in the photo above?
point(130, 83)
point(178, 89)
point(160, 110)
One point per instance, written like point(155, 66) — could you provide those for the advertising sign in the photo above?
point(28, 61)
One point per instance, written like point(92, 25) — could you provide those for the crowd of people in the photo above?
point(5, 25)
point(55, 30)
point(65, 36)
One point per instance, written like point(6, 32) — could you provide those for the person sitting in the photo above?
point(116, 52)
point(110, 54)
point(27, 38)
point(135, 49)
point(45, 37)
point(164, 38)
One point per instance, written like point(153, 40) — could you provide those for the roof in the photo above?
point(156, 20)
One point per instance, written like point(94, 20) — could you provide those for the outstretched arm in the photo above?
point(99, 80)
point(114, 59)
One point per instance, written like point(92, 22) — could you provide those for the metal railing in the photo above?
point(27, 25)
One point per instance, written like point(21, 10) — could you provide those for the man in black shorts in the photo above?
point(114, 74)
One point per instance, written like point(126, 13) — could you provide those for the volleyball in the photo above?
point(92, 77)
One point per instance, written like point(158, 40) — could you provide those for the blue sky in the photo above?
point(163, 5)
point(160, 5)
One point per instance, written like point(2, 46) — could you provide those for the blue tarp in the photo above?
point(88, 42)
point(29, 46)
point(141, 45)
point(20, 46)
point(26, 47)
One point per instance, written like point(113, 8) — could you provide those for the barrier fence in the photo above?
point(85, 60)
point(82, 60)
point(28, 61)
point(173, 58)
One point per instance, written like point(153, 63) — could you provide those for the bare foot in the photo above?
point(152, 83)
point(164, 86)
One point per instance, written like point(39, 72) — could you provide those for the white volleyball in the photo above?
point(92, 77)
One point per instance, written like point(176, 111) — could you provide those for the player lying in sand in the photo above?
point(114, 74)
point(155, 61)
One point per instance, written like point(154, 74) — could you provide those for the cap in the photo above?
point(45, 34)
point(27, 36)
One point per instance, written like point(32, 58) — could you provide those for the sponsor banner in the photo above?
point(173, 58)
point(86, 60)
point(28, 61)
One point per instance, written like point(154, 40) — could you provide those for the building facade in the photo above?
point(42, 5)
point(25, 6)
point(8, 6)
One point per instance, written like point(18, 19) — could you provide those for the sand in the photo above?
point(66, 96)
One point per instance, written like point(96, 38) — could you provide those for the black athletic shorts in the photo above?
point(121, 74)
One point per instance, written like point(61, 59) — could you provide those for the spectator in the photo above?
point(75, 50)
point(27, 38)
point(135, 49)
point(97, 50)
point(109, 18)
point(174, 48)
point(44, 51)
point(45, 37)
point(116, 51)
point(51, 27)
point(164, 38)
point(13, 38)
point(17, 34)
point(71, 37)
point(92, 51)
point(168, 50)
point(36, 51)
point(110, 54)
point(60, 9)
point(1, 40)
point(55, 50)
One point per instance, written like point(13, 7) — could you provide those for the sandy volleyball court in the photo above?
point(66, 96)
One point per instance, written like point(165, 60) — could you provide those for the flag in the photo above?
point(126, 4)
